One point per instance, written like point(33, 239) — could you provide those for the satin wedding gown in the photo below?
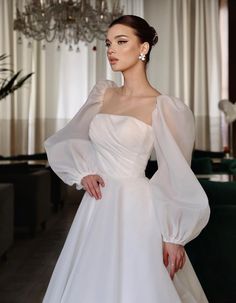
point(113, 252)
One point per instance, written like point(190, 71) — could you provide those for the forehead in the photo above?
point(120, 30)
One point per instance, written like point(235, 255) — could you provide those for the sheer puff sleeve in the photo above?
point(70, 151)
point(180, 202)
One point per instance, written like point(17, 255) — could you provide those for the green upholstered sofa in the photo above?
point(6, 217)
point(213, 252)
point(58, 187)
point(32, 195)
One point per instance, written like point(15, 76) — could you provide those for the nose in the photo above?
point(111, 49)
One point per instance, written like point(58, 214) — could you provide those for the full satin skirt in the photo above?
point(113, 253)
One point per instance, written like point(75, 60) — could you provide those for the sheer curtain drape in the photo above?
point(58, 88)
point(187, 60)
point(186, 63)
point(224, 33)
point(49, 99)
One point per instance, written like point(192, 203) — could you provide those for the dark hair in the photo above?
point(143, 30)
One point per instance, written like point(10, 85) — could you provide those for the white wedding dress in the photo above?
point(113, 252)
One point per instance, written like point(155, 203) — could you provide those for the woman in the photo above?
point(126, 244)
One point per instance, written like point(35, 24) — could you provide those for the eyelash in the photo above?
point(119, 42)
point(122, 41)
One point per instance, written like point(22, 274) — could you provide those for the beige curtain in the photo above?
point(224, 32)
point(187, 62)
point(58, 88)
point(56, 91)
point(20, 113)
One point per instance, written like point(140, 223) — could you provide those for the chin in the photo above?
point(123, 67)
point(119, 68)
point(116, 69)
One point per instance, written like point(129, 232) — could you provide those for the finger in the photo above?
point(84, 183)
point(88, 191)
point(172, 270)
point(179, 264)
point(91, 189)
point(91, 186)
point(165, 258)
point(179, 261)
point(96, 189)
point(101, 181)
point(182, 258)
point(94, 192)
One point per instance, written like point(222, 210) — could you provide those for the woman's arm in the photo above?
point(180, 202)
point(70, 152)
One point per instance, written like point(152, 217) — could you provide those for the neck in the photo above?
point(135, 81)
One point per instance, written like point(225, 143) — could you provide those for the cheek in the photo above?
point(131, 50)
point(129, 54)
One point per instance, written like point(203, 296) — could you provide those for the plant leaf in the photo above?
point(9, 86)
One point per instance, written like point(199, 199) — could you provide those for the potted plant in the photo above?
point(10, 84)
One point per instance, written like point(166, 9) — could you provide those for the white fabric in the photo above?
point(73, 141)
point(113, 252)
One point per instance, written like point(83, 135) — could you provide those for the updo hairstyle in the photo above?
point(143, 30)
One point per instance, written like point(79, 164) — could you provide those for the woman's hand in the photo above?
point(173, 255)
point(91, 184)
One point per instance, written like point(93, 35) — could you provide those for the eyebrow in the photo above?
point(118, 36)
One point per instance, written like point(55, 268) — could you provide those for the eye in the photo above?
point(122, 41)
point(107, 44)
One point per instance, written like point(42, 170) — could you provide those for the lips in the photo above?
point(113, 60)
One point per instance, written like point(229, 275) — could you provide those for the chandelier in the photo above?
point(66, 21)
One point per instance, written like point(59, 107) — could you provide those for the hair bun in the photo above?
point(154, 35)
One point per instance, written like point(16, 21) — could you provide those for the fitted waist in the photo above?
point(122, 176)
point(126, 181)
point(121, 169)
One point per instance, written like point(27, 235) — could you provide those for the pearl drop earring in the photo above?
point(142, 57)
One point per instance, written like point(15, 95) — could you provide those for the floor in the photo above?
point(25, 274)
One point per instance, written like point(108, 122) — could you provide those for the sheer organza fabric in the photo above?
point(182, 205)
point(113, 252)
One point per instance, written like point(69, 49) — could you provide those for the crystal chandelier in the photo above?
point(66, 21)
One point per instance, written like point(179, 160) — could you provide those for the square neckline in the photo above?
point(129, 116)
point(126, 116)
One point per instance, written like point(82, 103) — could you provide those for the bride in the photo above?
point(126, 243)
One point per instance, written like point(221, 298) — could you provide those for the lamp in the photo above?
point(67, 21)
point(229, 109)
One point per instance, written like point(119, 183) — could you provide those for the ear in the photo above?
point(144, 48)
